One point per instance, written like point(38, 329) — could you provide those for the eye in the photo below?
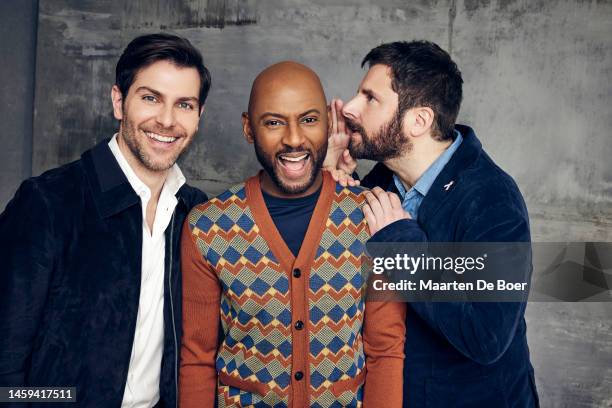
point(310, 119)
point(273, 123)
point(370, 98)
point(149, 98)
point(185, 105)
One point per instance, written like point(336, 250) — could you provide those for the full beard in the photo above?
point(388, 143)
point(137, 146)
point(269, 164)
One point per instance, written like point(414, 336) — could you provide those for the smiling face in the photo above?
point(287, 122)
point(373, 118)
point(159, 116)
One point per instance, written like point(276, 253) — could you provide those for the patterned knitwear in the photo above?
point(295, 331)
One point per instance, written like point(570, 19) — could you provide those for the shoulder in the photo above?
point(49, 199)
point(355, 193)
point(224, 210)
point(57, 185)
point(485, 184)
point(348, 203)
point(192, 195)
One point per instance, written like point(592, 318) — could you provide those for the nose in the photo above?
point(293, 136)
point(165, 116)
point(351, 109)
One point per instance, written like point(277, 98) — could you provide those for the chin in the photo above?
point(153, 164)
point(294, 186)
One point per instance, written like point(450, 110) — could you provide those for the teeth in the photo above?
point(160, 138)
point(294, 159)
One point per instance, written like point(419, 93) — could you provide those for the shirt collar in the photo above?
point(425, 182)
point(173, 183)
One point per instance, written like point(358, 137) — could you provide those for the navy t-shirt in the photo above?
point(291, 217)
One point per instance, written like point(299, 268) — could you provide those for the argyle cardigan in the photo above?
point(293, 332)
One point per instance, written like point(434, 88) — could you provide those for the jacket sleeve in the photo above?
point(27, 241)
point(201, 299)
point(384, 334)
point(482, 331)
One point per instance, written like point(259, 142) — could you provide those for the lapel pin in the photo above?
point(447, 186)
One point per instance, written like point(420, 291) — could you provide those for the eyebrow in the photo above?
point(369, 92)
point(278, 115)
point(147, 89)
point(157, 93)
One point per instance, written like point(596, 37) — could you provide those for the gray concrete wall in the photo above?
point(18, 23)
point(537, 90)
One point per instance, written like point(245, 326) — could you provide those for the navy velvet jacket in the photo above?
point(465, 354)
point(71, 242)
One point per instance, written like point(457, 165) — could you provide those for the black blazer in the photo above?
point(71, 245)
point(466, 354)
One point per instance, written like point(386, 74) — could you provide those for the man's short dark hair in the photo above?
point(423, 74)
point(145, 50)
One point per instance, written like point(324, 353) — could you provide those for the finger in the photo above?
point(396, 203)
point(334, 173)
point(383, 198)
point(389, 214)
point(343, 179)
point(370, 219)
point(375, 206)
point(347, 162)
point(347, 159)
point(334, 117)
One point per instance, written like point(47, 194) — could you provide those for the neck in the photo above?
point(153, 179)
point(269, 186)
point(410, 166)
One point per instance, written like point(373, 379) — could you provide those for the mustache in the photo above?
point(353, 126)
point(289, 149)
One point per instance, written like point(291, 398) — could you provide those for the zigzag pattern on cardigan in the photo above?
point(256, 309)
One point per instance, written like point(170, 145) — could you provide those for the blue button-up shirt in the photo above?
point(411, 199)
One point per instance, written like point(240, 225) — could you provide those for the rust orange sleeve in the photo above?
point(384, 334)
point(201, 303)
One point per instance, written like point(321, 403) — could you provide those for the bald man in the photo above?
point(274, 265)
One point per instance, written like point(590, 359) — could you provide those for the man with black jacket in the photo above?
point(90, 286)
point(435, 183)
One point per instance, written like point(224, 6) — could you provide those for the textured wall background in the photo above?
point(18, 49)
point(537, 90)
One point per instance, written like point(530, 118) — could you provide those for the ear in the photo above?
point(117, 99)
point(421, 121)
point(330, 125)
point(246, 128)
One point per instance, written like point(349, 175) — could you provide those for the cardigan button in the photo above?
point(297, 273)
point(299, 325)
point(298, 375)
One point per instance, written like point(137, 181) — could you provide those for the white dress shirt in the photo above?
point(142, 387)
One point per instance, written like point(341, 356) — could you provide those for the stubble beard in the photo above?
point(137, 147)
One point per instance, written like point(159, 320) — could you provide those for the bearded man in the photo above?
point(458, 354)
point(275, 264)
point(90, 284)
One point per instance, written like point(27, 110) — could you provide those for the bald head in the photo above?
point(286, 78)
point(287, 122)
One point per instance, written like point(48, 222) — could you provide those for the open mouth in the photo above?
point(294, 165)
point(160, 138)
